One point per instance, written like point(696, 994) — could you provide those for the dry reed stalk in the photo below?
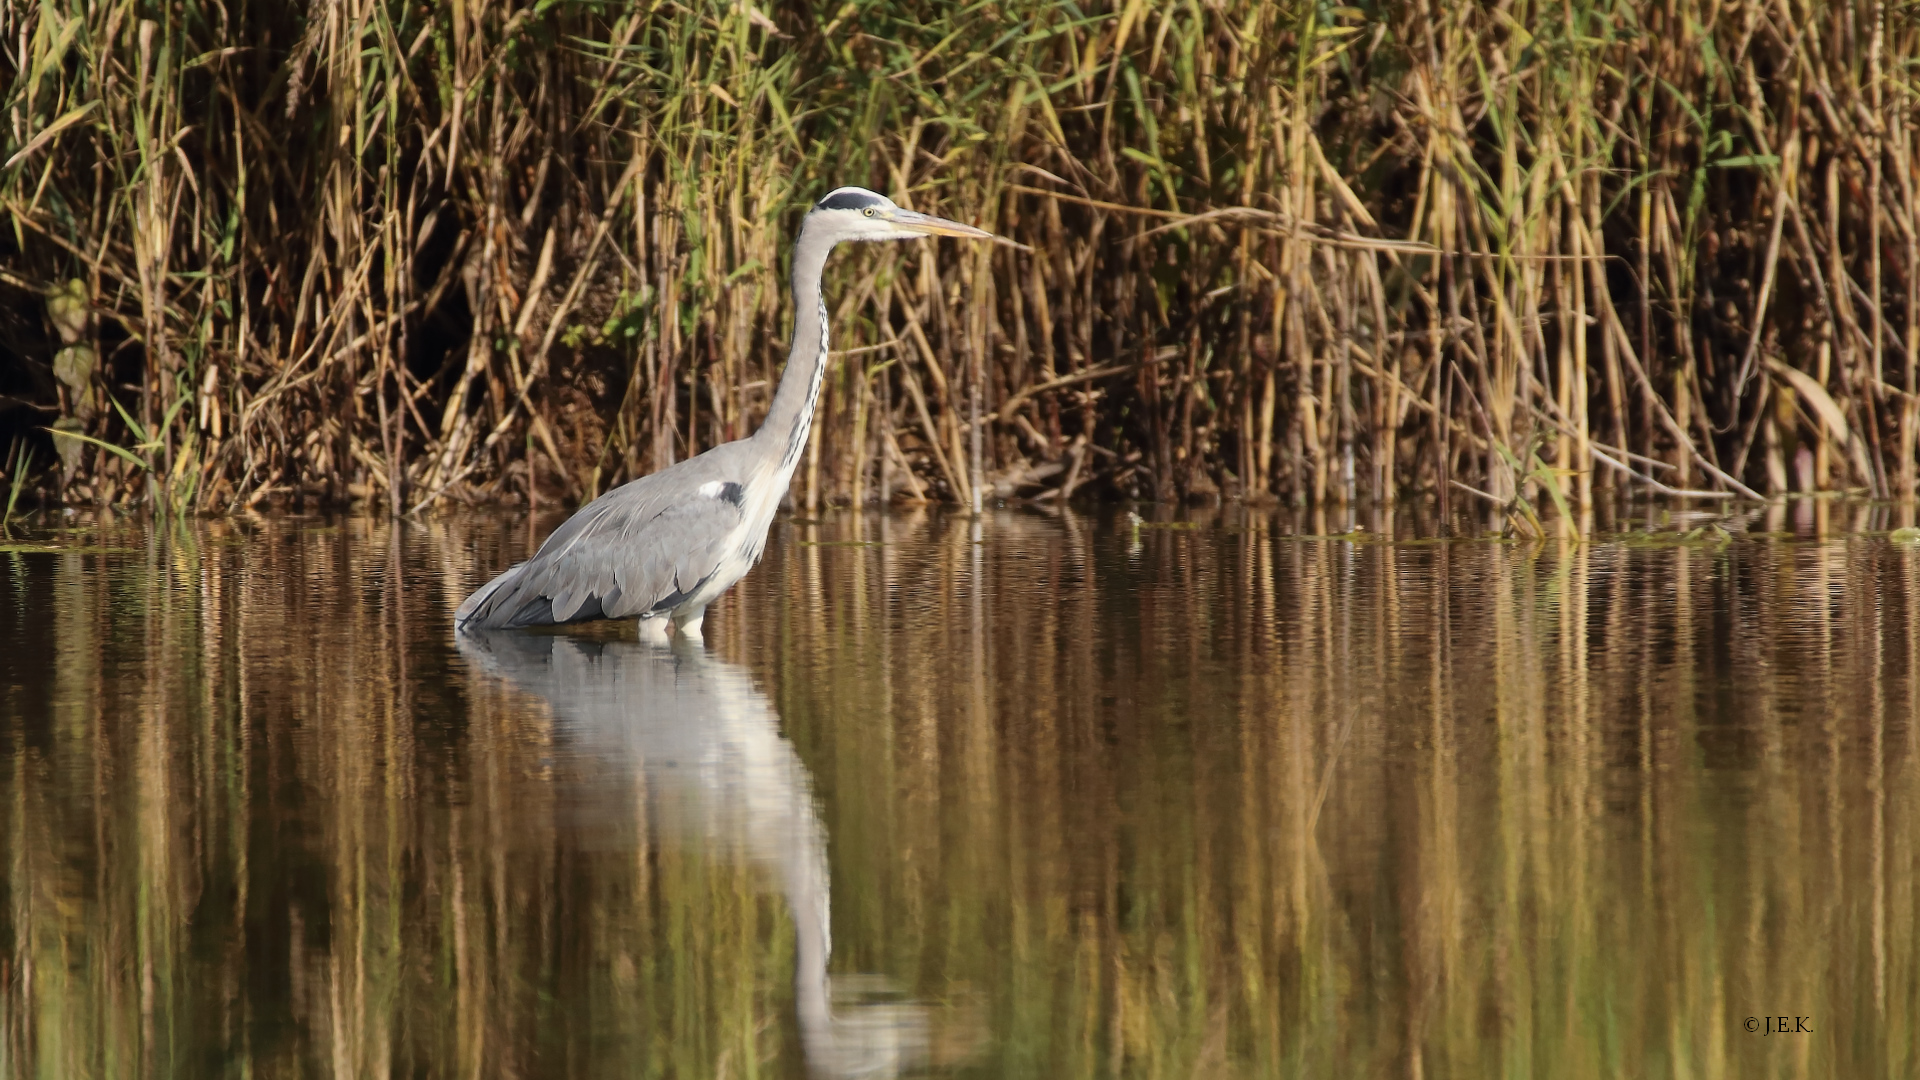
point(370, 264)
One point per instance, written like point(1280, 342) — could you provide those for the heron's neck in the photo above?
point(790, 417)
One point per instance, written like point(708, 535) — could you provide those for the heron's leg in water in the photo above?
point(653, 630)
point(688, 623)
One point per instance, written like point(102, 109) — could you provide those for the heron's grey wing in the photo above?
point(634, 565)
point(639, 548)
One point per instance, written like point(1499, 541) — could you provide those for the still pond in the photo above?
point(1045, 795)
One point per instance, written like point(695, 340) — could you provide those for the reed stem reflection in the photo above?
point(1213, 797)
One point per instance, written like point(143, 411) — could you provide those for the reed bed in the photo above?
point(1512, 253)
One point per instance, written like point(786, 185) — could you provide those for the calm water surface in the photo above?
point(1052, 798)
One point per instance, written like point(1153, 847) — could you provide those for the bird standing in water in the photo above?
point(668, 544)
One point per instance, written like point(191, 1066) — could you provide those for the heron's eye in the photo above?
point(869, 211)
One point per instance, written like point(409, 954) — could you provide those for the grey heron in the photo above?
point(667, 544)
point(701, 746)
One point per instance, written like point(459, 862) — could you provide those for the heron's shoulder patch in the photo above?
point(849, 198)
point(724, 490)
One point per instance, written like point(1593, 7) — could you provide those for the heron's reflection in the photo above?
point(708, 749)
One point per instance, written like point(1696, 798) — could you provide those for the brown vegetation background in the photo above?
point(401, 253)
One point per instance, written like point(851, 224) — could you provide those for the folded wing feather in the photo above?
point(639, 548)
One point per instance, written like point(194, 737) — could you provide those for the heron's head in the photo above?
point(852, 213)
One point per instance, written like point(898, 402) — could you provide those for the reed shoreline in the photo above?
point(1519, 255)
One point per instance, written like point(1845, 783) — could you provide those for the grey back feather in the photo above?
point(639, 549)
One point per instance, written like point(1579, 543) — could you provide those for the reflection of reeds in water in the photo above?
point(288, 831)
point(1597, 805)
point(1586, 808)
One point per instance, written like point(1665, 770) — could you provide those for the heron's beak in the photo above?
point(934, 226)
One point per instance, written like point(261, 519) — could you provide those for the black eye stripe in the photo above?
point(848, 200)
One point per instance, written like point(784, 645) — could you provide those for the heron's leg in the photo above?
point(653, 629)
point(688, 623)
